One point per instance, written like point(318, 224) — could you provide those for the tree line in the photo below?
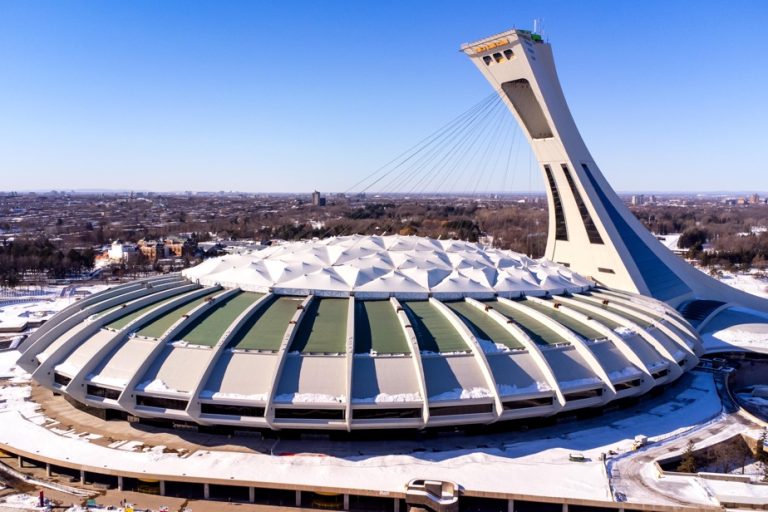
point(40, 257)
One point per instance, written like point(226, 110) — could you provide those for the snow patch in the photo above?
point(67, 368)
point(382, 398)
point(156, 385)
point(306, 398)
point(576, 383)
point(491, 347)
point(507, 389)
point(737, 336)
point(628, 372)
point(10, 370)
point(624, 332)
point(463, 394)
point(214, 395)
point(107, 380)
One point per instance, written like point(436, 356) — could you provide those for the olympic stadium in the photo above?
point(410, 335)
point(361, 332)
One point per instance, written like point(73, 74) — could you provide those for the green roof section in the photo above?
point(377, 328)
point(601, 318)
point(159, 325)
point(537, 331)
point(635, 308)
point(579, 328)
point(433, 331)
point(482, 325)
point(632, 318)
point(124, 320)
point(323, 329)
point(208, 328)
point(266, 328)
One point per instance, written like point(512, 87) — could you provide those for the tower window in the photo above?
point(497, 57)
point(561, 230)
point(522, 97)
point(589, 224)
point(487, 59)
point(508, 54)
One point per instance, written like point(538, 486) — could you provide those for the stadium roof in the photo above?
point(388, 266)
point(360, 332)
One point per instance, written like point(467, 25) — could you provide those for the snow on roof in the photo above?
point(394, 265)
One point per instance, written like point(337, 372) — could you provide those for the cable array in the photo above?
point(477, 152)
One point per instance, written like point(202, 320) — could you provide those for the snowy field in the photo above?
point(746, 282)
point(19, 307)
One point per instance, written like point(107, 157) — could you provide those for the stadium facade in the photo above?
point(386, 332)
point(361, 333)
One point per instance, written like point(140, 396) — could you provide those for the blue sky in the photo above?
point(293, 96)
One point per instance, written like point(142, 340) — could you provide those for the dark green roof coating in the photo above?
point(579, 328)
point(601, 318)
point(433, 331)
point(124, 320)
point(211, 325)
point(159, 325)
point(377, 328)
point(538, 332)
point(266, 328)
point(482, 325)
point(639, 321)
point(323, 329)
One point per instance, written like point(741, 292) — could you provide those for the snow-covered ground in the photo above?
point(535, 462)
point(746, 282)
point(19, 308)
point(525, 463)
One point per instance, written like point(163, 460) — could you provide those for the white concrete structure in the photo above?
point(590, 229)
point(371, 267)
point(360, 333)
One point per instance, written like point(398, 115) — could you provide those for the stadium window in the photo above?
point(309, 414)
point(461, 409)
point(531, 402)
point(628, 385)
point(161, 403)
point(100, 392)
point(561, 230)
point(583, 395)
point(383, 414)
point(586, 218)
point(61, 380)
point(232, 410)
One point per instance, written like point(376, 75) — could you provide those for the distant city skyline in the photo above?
point(259, 97)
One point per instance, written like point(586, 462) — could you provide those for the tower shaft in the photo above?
point(590, 229)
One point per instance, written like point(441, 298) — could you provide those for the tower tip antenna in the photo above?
point(536, 23)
